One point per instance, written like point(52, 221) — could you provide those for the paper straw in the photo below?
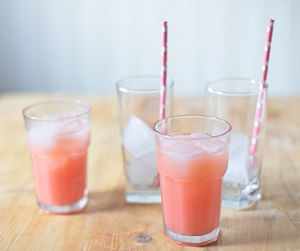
point(163, 92)
point(261, 94)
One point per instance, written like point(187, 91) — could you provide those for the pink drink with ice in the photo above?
point(191, 166)
point(59, 158)
point(191, 184)
point(58, 145)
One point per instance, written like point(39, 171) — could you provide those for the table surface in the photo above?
point(108, 222)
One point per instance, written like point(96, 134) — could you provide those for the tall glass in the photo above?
point(235, 99)
point(192, 154)
point(58, 136)
point(139, 99)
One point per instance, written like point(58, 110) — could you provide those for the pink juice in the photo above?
point(190, 174)
point(59, 159)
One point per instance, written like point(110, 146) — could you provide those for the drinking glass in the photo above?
point(139, 100)
point(58, 136)
point(192, 154)
point(235, 99)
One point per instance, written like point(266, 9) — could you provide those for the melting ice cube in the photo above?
point(237, 171)
point(138, 137)
point(142, 171)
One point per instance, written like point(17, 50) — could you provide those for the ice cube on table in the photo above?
point(237, 171)
point(142, 172)
point(138, 137)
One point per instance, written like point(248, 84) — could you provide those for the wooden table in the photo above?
point(109, 223)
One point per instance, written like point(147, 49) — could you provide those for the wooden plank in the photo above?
point(109, 223)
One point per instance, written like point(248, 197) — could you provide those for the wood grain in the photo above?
point(109, 223)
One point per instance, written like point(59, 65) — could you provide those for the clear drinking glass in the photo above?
point(235, 100)
point(139, 99)
point(58, 136)
point(192, 155)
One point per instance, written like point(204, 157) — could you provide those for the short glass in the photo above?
point(139, 99)
point(192, 155)
point(235, 99)
point(58, 136)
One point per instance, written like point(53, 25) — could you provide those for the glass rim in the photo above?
point(170, 137)
point(209, 86)
point(124, 89)
point(74, 102)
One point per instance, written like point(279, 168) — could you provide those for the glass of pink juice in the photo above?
point(192, 156)
point(58, 136)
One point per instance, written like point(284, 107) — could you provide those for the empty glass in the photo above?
point(139, 99)
point(235, 99)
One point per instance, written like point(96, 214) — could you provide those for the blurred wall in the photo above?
point(87, 45)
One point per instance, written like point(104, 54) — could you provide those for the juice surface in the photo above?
point(59, 159)
point(191, 184)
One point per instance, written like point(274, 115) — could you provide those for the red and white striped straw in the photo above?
point(262, 92)
point(163, 92)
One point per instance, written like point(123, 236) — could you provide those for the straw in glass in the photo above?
point(261, 94)
point(163, 93)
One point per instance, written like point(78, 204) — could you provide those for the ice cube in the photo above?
point(142, 171)
point(138, 137)
point(199, 135)
point(191, 145)
point(40, 139)
point(210, 145)
point(43, 133)
point(237, 171)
